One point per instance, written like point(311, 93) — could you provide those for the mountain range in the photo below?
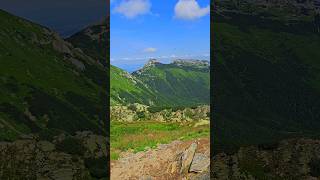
point(180, 83)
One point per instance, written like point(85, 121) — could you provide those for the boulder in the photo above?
point(187, 158)
point(200, 163)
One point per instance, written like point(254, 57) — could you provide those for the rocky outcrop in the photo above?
point(289, 159)
point(67, 157)
point(138, 112)
point(176, 160)
point(192, 63)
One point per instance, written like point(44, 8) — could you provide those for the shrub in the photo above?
point(141, 115)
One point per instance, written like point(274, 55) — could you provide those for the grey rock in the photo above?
point(202, 176)
point(200, 163)
point(187, 158)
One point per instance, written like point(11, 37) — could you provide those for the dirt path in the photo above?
point(164, 162)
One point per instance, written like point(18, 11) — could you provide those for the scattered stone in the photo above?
point(137, 112)
point(34, 159)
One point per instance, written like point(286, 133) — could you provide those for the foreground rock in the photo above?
point(187, 158)
point(67, 157)
point(170, 161)
point(289, 159)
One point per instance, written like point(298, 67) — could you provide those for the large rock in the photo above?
point(200, 163)
point(187, 158)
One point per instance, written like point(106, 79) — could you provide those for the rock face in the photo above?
point(289, 159)
point(168, 161)
point(200, 163)
point(38, 159)
point(187, 158)
point(137, 112)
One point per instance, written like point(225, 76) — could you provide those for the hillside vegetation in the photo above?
point(266, 75)
point(47, 86)
point(52, 106)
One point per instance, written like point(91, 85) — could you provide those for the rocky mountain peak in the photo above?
point(191, 62)
point(151, 63)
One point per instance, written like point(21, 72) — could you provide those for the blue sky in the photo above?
point(166, 30)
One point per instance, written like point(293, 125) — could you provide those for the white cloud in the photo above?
point(150, 50)
point(190, 10)
point(133, 8)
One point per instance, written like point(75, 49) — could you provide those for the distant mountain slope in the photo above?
point(266, 77)
point(180, 83)
point(47, 86)
point(125, 88)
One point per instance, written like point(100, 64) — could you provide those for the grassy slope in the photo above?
point(177, 85)
point(35, 77)
point(266, 81)
point(125, 90)
point(139, 135)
